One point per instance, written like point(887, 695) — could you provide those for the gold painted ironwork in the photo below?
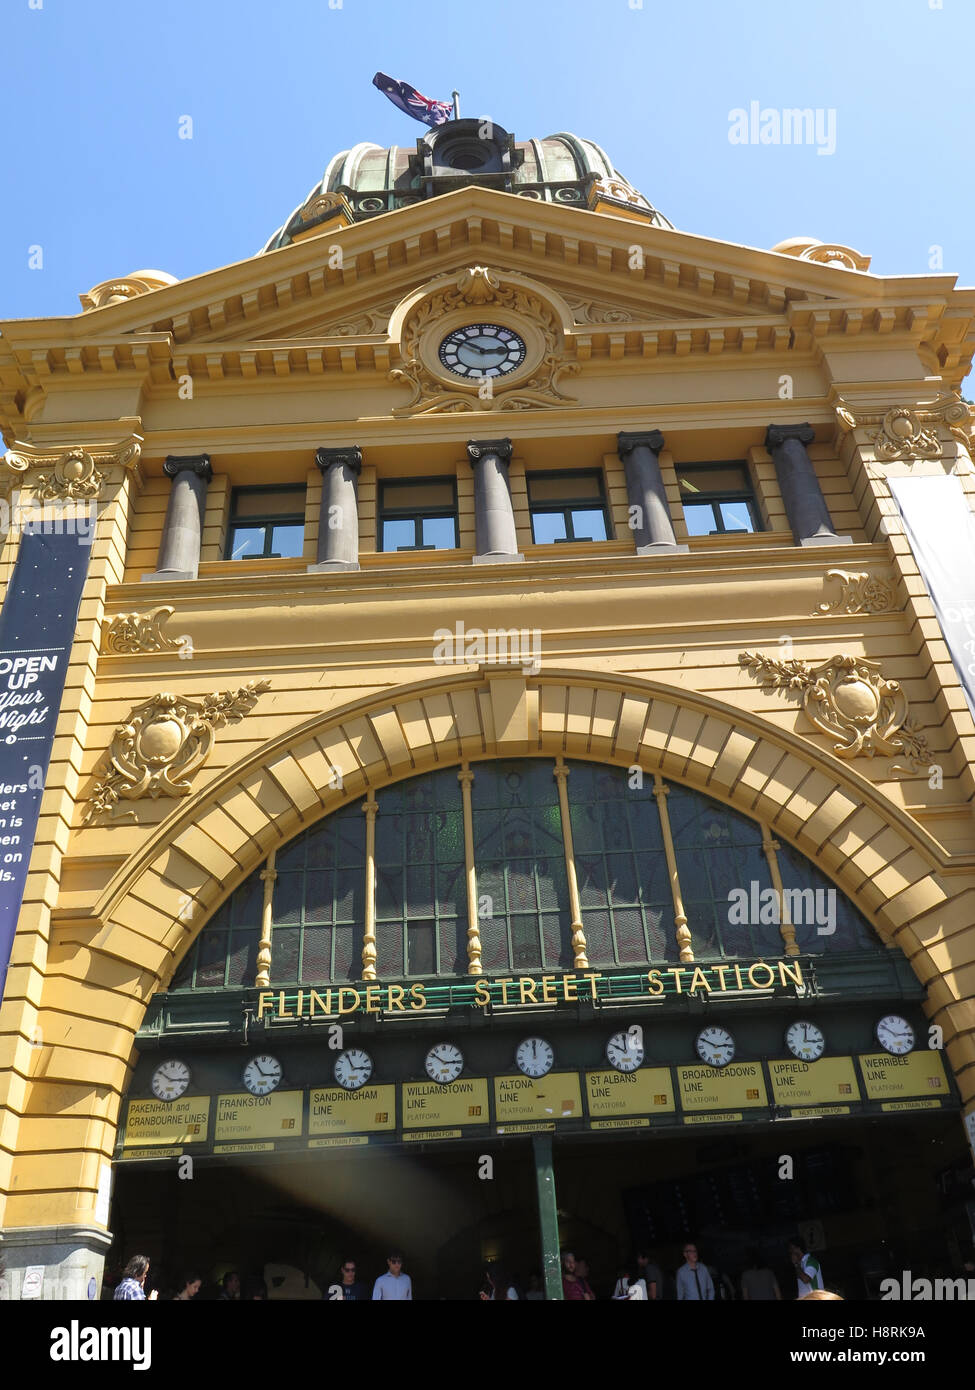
point(683, 933)
point(581, 959)
point(466, 778)
point(370, 807)
point(268, 875)
point(786, 928)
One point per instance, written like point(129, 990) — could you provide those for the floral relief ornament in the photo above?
point(140, 632)
point(847, 698)
point(74, 476)
point(861, 592)
point(164, 742)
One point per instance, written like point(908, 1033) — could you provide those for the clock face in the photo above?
point(353, 1068)
point(444, 1062)
point(715, 1046)
point(805, 1041)
point(170, 1080)
point(534, 1057)
point(482, 349)
point(624, 1051)
point(895, 1034)
point(262, 1075)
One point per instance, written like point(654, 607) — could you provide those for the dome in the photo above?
point(561, 168)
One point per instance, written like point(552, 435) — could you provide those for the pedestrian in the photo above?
point(809, 1272)
point(498, 1286)
point(535, 1292)
point(133, 1281)
point(353, 1290)
point(582, 1274)
point(189, 1288)
point(394, 1284)
point(758, 1283)
point(230, 1287)
point(693, 1281)
point(631, 1284)
point(572, 1287)
point(650, 1273)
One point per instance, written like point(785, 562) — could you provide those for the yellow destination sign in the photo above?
point(423, 1135)
point(646, 1091)
point(167, 1121)
point(734, 1087)
point(814, 1112)
point(895, 1078)
point(333, 1110)
point(712, 1119)
point(911, 1105)
point(426, 1104)
point(553, 1097)
point(339, 1141)
point(243, 1116)
point(620, 1124)
point(538, 1127)
point(831, 1079)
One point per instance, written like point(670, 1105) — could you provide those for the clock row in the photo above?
point(534, 1057)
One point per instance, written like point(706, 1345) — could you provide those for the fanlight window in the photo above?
point(614, 862)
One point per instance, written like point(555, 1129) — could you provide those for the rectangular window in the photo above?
point(567, 507)
point(717, 499)
point(266, 523)
point(418, 515)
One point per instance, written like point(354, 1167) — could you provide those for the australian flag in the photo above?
point(408, 99)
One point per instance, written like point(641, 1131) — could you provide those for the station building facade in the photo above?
point(511, 786)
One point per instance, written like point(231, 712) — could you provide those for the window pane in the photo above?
point(577, 488)
point(589, 525)
point(288, 540)
point(439, 531)
point(417, 497)
point(731, 478)
point(700, 518)
point(420, 949)
point(399, 535)
point(548, 527)
point(283, 502)
point(736, 516)
point(246, 541)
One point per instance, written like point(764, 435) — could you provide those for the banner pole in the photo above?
point(456, 97)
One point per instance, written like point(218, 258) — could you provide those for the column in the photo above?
point(548, 1216)
point(268, 876)
point(338, 519)
point(493, 514)
point(179, 550)
point(370, 807)
point(683, 932)
point(805, 505)
point(580, 959)
point(466, 779)
point(639, 451)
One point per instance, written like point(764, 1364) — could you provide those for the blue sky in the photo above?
point(94, 90)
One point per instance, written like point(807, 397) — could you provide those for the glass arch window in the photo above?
point(727, 871)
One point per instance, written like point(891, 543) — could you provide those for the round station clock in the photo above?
point(444, 1063)
point(534, 1057)
point(482, 350)
point(353, 1068)
point(895, 1035)
point(262, 1075)
point(805, 1041)
point(624, 1051)
point(715, 1046)
point(170, 1080)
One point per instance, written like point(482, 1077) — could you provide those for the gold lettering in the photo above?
point(676, 974)
point(372, 999)
point(261, 1010)
point(504, 989)
point(790, 972)
point(722, 970)
point(317, 1000)
point(699, 983)
point(482, 993)
point(282, 1011)
point(656, 983)
point(418, 992)
point(301, 1004)
point(525, 983)
point(548, 987)
point(738, 977)
point(396, 993)
point(761, 965)
point(592, 984)
point(569, 983)
point(346, 989)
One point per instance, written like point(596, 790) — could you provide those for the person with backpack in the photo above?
point(809, 1272)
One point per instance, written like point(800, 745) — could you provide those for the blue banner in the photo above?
point(37, 626)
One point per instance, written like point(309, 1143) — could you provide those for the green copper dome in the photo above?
point(561, 168)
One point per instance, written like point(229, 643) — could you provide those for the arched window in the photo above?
point(626, 830)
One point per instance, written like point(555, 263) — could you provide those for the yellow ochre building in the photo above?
point(511, 788)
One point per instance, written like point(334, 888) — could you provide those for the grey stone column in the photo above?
point(338, 518)
point(494, 518)
point(805, 505)
point(179, 550)
point(639, 451)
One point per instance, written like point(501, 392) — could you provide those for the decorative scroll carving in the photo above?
point(847, 698)
point(861, 592)
point(832, 253)
point(588, 311)
point(902, 433)
point(479, 287)
point(140, 632)
point(73, 474)
point(75, 477)
point(164, 742)
point(125, 287)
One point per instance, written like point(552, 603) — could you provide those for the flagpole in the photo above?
point(456, 97)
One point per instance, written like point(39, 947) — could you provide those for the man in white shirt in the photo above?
point(809, 1273)
point(395, 1284)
